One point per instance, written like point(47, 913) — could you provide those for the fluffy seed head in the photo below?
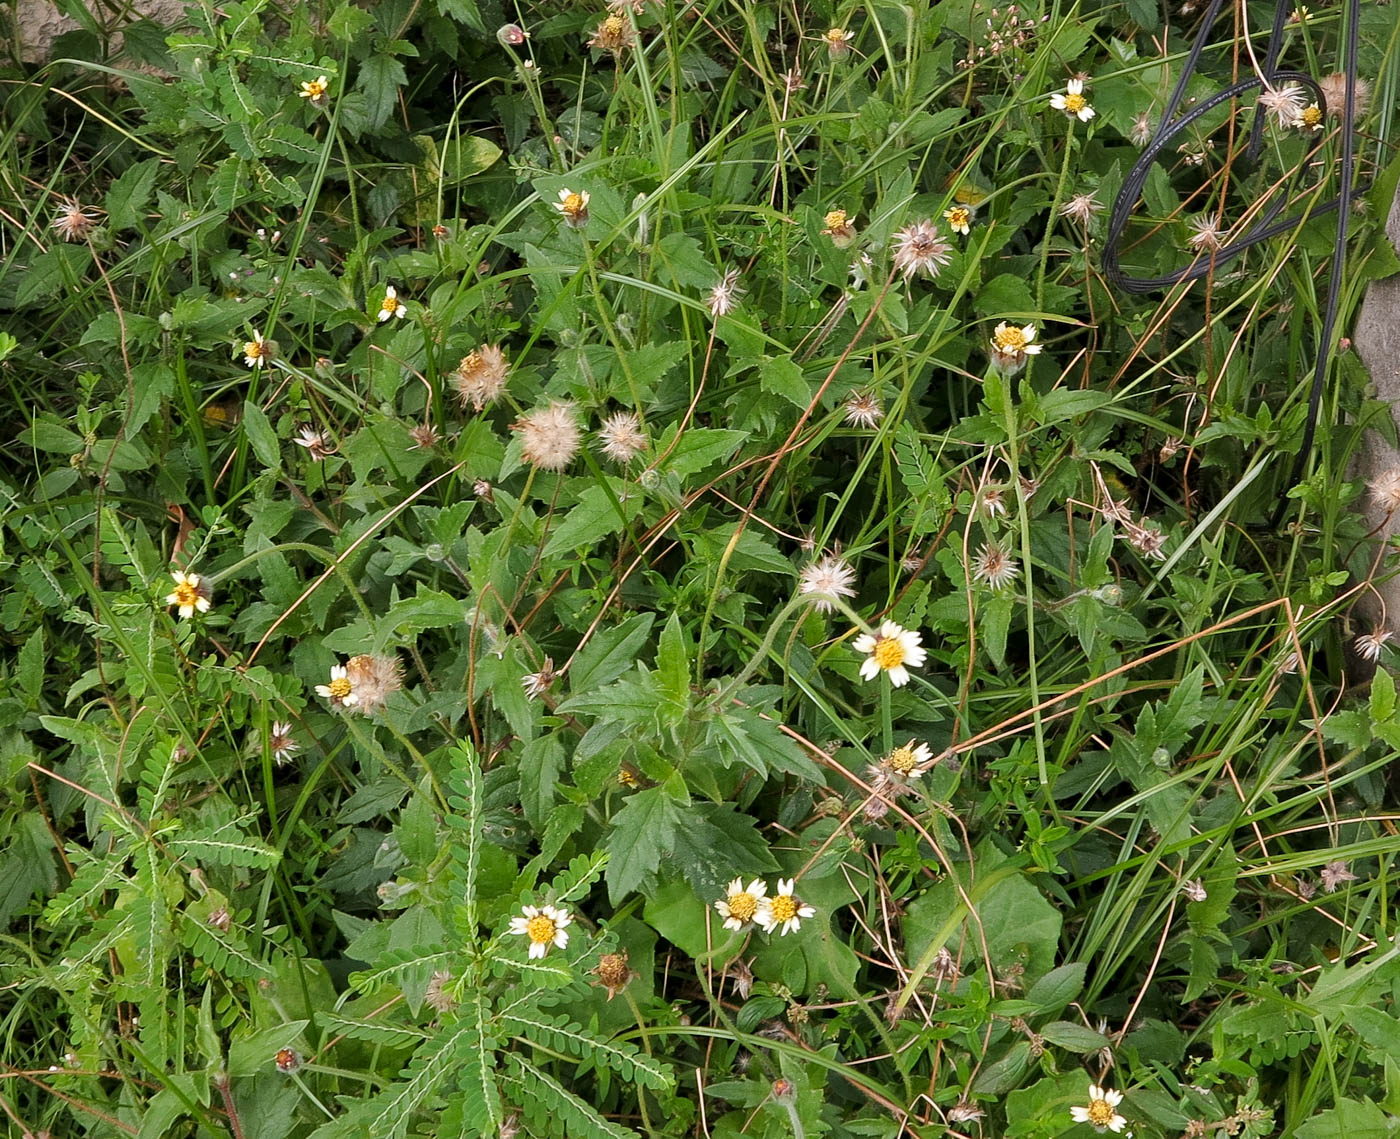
point(1282, 105)
point(994, 566)
point(481, 376)
point(1368, 646)
point(373, 679)
point(622, 437)
point(549, 436)
point(863, 409)
point(1384, 490)
point(1081, 208)
point(826, 580)
point(1205, 234)
point(724, 297)
point(74, 221)
point(1334, 95)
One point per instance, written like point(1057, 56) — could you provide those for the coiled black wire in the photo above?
point(1267, 226)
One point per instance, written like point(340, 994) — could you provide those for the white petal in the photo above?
point(1075, 86)
point(864, 643)
point(1117, 1123)
point(1079, 1114)
point(869, 669)
point(537, 948)
point(1113, 1097)
point(899, 676)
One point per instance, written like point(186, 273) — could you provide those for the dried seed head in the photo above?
point(613, 973)
point(425, 437)
point(437, 995)
point(919, 249)
point(622, 437)
point(1334, 95)
point(74, 221)
point(1384, 490)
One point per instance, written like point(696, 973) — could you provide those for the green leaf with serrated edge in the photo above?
point(1058, 987)
point(261, 437)
point(640, 838)
point(609, 654)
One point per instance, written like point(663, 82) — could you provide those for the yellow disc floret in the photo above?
point(888, 653)
point(784, 908)
point(540, 929)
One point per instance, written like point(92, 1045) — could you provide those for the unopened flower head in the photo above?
point(893, 650)
point(281, 744)
point(827, 580)
point(74, 221)
point(191, 594)
point(863, 409)
point(338, 691)
point(919, 249)
point(390, 306)
point(1334, 95)
point(543, 926)
point(1194, 890)
point(287, 1060)
point(1081, 208)
point(258, 352)
point(994, 566)
point(573, 204)
point(1204, 235)
point(315, 442)
point(481, 376)
point(784, 911)
point(724, 297)
point(1368, 646)
point(622, 437)
point(1072, 102)
point(373, 679)
point(740, 905)
point(1101, 1112)
point(839, 228)
point(315, 90)
point(1012, 344)
point(512, 35)
point(838, 42)
point(614, 34)
point(959, 218)
point(549, 436)
point(1283, 104)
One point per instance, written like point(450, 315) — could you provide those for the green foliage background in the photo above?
point(1154, 854)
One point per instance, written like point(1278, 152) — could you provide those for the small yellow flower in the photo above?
point(190, 594)
point(391, 306)
point(784, 909)
point(544, 926)
point(839, 228)
point(1072, 102)
point(894, 650)
point(1311, 117)
point(339, 691)
point(838, 42)
point(1101, 1113)
point(573, 204)
point(959, 219)
point(315, 89)
point(258, 351)
point(1011, 344)
point(739, 907)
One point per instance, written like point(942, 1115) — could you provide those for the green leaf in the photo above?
point(381, 76)
point(1382, 696)
point(26, 866)
point(596, 515)
point(610, 653)
point(1350, 1119)
point(1074, 1037)
point(261, 437)
point(782, 376)
point(129, 195)
point(541, 761)
point(673, 664)
point(642, 834)
point(1058, 987)
point(698, 448)
point(456, 159)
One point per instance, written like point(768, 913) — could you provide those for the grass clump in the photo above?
point(594, 572)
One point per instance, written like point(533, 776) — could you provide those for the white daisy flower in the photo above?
point(339, 691)
point(739, 906)
point(190, 594)
point(391, 306)
point(1101, 1113)
point(544, 926)
point(893, 649)
point(1072, 101)
point(783, 909)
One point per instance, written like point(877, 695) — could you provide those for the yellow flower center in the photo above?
point(626, 778)
point(743, 906)
point(612, 26)
point(255, 349)
point(389, 304)
point(836, 219)
point(340, 687)
point(186, 594)
point(836, 36)
point(1075, 103)
point(572, 205)
point(958, 217)
point(540, 929)
point(1312, 116)
point(901, 760)
point(784, 908)
point(1100, 1112)
point(1010, 339)
point(315, 88)
point(889, 653)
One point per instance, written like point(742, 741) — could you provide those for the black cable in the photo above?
point(1266, 226)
